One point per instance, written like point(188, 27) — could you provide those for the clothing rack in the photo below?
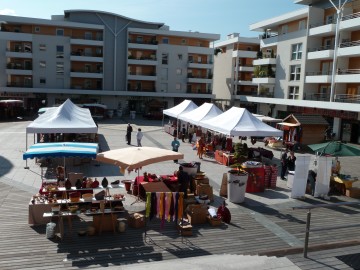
point(165, 209)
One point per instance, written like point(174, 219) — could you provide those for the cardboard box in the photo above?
point(196, 213)
point(136, 220)
point(353, 192)
point(205, 189)
point(214, 221)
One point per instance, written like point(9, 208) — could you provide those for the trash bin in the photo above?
point(236, 186)
point(198, 166)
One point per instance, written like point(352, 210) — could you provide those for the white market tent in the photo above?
point(183, 107)
point(240, 122)
point(269, 119)
point(204, 112)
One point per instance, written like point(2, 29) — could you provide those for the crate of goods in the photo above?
point(353, 192)
point(214, 221)
point(136, 220)
point(205, 189)
point(196, 213)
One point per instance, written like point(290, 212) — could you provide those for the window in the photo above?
point(42, 81)
point(183, 41)
point(59, 51)
point(199, 60)
point(295, 72)
point(294, 92)
point(88, 52)
point(87, 84)
point(302, 24)
point(296, 51)
point(190, 59)
point(42, 64)
point(37, 29)
point(27, 47)
point(178, 86)
point(329, 19)
point(87, 68)
point(180, 57)
point(139, 39)
point(59, 32)
point(42, 47)
point(284, 29)
point(27, 81)
point(88, 36)
point(165, 40)
point(59, 68)
point(178, 71)
point(164, 59)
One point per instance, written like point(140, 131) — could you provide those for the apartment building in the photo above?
point(309, 63)
point(100, 57)
point(234, 69)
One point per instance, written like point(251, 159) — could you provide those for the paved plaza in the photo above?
point(112, 136)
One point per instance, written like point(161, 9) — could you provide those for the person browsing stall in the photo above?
point(183, 179)
point(175, 144)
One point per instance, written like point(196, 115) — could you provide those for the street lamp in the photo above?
point(339, 11)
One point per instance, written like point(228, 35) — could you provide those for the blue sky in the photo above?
point(208, 16)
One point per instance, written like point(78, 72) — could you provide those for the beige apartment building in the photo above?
point(101, 57)
point(310, 64)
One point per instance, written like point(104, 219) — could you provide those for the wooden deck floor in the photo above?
point(26, 247)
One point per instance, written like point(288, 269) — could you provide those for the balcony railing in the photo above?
point(21, 85)
point(317, 97)
point(81, 87)
point(130, 57)
point(246, 93)
point(200, 77)
point(348, 71)
point(86, 71)
point(18, 66)
point(78, 53)
point(143, 73)
point(268, 35)
point(350, 16)
point(318, 73)
point(142, 89)
point(150, 42)
point(349, 44)
point(322, 48)
point(347, 98)
point(88, 38)
point(333, 21)
point(24, 50)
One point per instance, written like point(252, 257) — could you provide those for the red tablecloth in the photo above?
point(166, 178)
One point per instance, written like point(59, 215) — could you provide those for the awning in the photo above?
point(289, 124)
point(62, 149)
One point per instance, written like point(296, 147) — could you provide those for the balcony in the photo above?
point(350, 49)
point(86, 58)
point(244, 54)
point(347, 98)
point(18, 69)
point(348, 76)
point(263, 80)
point(246, 69)
point(82, 87)
point(350, 22)
point(191, 64)
point(318, 77)
point(142, 61)
point(19, 85)
point(80, 73)
point(137, 44)
point(264, 61)
point(142, 76)
point(78, 40)
point(323, 53)
point(199, 79)
point(268, 40)
point(142, 89)
point(322, 30)
point(317, 97)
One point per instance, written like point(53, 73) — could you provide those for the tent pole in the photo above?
point(26, 145)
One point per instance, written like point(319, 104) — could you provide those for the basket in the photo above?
point(87, 197)
point(74, 196)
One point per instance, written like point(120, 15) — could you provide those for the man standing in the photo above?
point(175, 146)
point(291, 161)
point(139, 136)
point(183, 179)
point(129, 129)
point(283, 164)
point(183, 131)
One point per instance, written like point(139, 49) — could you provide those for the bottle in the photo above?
point(78, 184)
point(104, 182)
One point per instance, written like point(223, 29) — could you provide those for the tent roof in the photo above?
point(240, 122)
point(183, 107)
point(62, 149)
point(204, 112)
point(67, 118)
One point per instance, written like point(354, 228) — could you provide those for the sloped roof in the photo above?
point(308, 119)
point(183, 107)
point(202, 113)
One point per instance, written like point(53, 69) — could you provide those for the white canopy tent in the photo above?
point(183, 107)
point(269, 119)
point(204, 112)
point(240, 122)
point(67, 118)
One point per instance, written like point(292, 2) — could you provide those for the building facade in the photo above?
point(100, 57)
point(309, 63)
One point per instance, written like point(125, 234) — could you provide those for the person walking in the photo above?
point(291, 161)
point(190, 133)
point(139, 136)
point(129, 129)
point(175, 144)
point(200, 147)
point(283, 164)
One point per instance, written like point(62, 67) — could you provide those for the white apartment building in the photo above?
point(100, 57)
point(233, 70)
point(316, 61)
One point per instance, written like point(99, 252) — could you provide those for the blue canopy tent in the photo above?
point(62, 149)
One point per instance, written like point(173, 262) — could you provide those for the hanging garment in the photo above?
point(148, 204)
point(153, 205)
point(157, 204)
point(176, 208)
point(172, 207)
point(161, 205)
point(181, 205)
point(168, 205)
point(163, 200)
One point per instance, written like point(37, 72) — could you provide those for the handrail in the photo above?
point(308, 218)
point(350, 16)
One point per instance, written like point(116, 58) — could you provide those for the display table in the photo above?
point(342, 183)
point(61, 217)
point(153, 187)
point(36, 213)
